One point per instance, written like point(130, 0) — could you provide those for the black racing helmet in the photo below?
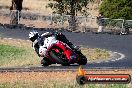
point(33, 36)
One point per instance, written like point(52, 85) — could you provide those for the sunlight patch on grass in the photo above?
point(95, 54)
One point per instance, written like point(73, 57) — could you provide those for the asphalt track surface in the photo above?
point(116, 43)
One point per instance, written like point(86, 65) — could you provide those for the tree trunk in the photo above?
point(72, 23)
point(15, 9)
point(72, 19)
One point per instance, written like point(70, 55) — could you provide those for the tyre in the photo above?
point(82, 60)
point(61, 59)
point(45, 62)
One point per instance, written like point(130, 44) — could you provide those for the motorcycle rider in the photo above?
point(38, 40)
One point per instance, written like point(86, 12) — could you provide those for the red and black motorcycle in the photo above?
point(61, 53)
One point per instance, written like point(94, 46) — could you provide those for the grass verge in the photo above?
point(54, 84)
point(50, 80)
point(95, 54)
point(15, 52)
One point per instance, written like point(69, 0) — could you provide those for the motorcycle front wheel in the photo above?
point(59, 57)
point(82, 60)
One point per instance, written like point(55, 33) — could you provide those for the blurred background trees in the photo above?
point(117, 9)
point(70, 7)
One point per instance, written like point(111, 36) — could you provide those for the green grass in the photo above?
point(24, 56)
point(57, 84)
point(20, 53)
point(7, 51)
point(16, 56)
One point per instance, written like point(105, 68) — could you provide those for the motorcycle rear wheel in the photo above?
point(59, 59)
point(44, 62)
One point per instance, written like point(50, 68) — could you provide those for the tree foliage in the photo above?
point(69, 7)
point(116, 9)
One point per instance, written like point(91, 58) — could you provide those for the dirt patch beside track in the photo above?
point(68, 77)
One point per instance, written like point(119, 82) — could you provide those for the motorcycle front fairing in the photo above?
point(70, 55)
point(50, 44)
